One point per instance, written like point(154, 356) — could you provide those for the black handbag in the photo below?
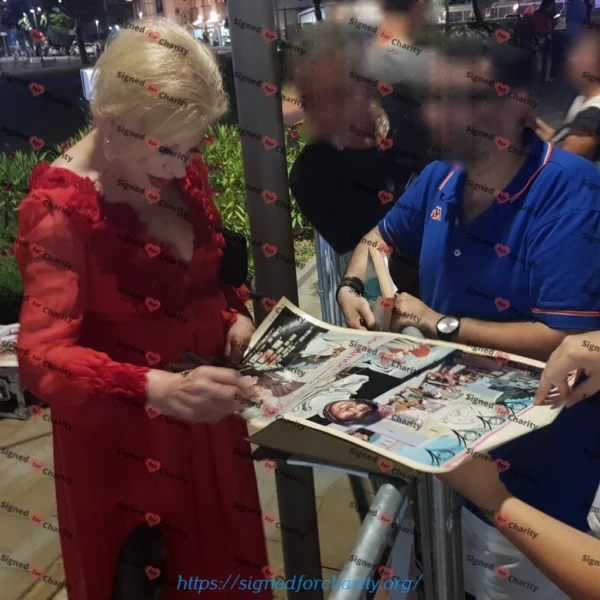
point(234, 263)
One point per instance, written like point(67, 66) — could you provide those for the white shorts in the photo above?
point(484, 550)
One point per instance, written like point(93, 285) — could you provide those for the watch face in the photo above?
point(448, 325)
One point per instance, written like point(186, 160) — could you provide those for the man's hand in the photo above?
point(544, 130)
point(576, 352)
point(409, 310)
point(238, 338)
point(356, 309)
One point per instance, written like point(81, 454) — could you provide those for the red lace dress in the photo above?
point(103, 302)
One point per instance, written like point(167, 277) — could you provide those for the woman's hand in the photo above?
point(576, 352)
point(238, 338)
point(203, 395)
point(478, 481)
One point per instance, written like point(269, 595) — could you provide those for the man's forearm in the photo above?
point(358, 263)
point(532, 340)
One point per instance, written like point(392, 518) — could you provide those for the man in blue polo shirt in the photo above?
point(507, 243)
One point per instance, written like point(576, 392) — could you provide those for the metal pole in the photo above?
point(263, 146)
point(424, 502)
point(446, 542)
point(254, 55)
point(371, 541)
point(298, 513)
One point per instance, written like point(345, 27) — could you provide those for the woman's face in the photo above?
point(153, 165)
point(349, 410)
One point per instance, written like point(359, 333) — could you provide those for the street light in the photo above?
point(34, 17)
point(97, 30)
point(141, 14)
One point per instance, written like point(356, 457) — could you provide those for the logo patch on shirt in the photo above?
point(436, 214)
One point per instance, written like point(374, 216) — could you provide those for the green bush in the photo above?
point(222, 154)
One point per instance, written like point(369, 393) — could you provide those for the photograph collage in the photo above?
point(411, 397)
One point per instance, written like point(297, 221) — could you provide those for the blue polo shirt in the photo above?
point(533, 255)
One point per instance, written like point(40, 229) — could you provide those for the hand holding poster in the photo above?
point(345, 395)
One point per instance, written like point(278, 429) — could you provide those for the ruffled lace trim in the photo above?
point(161, 276)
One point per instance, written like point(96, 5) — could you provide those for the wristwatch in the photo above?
point(447, 327)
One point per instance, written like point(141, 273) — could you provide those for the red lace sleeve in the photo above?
point(50, 252)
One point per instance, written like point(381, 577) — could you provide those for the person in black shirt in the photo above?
point(368, 139)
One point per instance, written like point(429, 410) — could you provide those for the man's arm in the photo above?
point(356, 309)
point(533, 340)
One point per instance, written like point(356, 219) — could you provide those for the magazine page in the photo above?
point(423, 403)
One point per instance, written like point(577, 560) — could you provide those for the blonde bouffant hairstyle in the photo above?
point(191, 77)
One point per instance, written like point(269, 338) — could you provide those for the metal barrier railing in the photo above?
point(439, 507)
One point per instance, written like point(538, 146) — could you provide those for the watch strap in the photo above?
point(352, 282)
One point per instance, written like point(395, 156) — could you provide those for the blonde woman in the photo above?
point(120, 262)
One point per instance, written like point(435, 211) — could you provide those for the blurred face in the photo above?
point(152, 164)
point(455, 102)
point(349, 410)
point(333, 100)
point(583, 57)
